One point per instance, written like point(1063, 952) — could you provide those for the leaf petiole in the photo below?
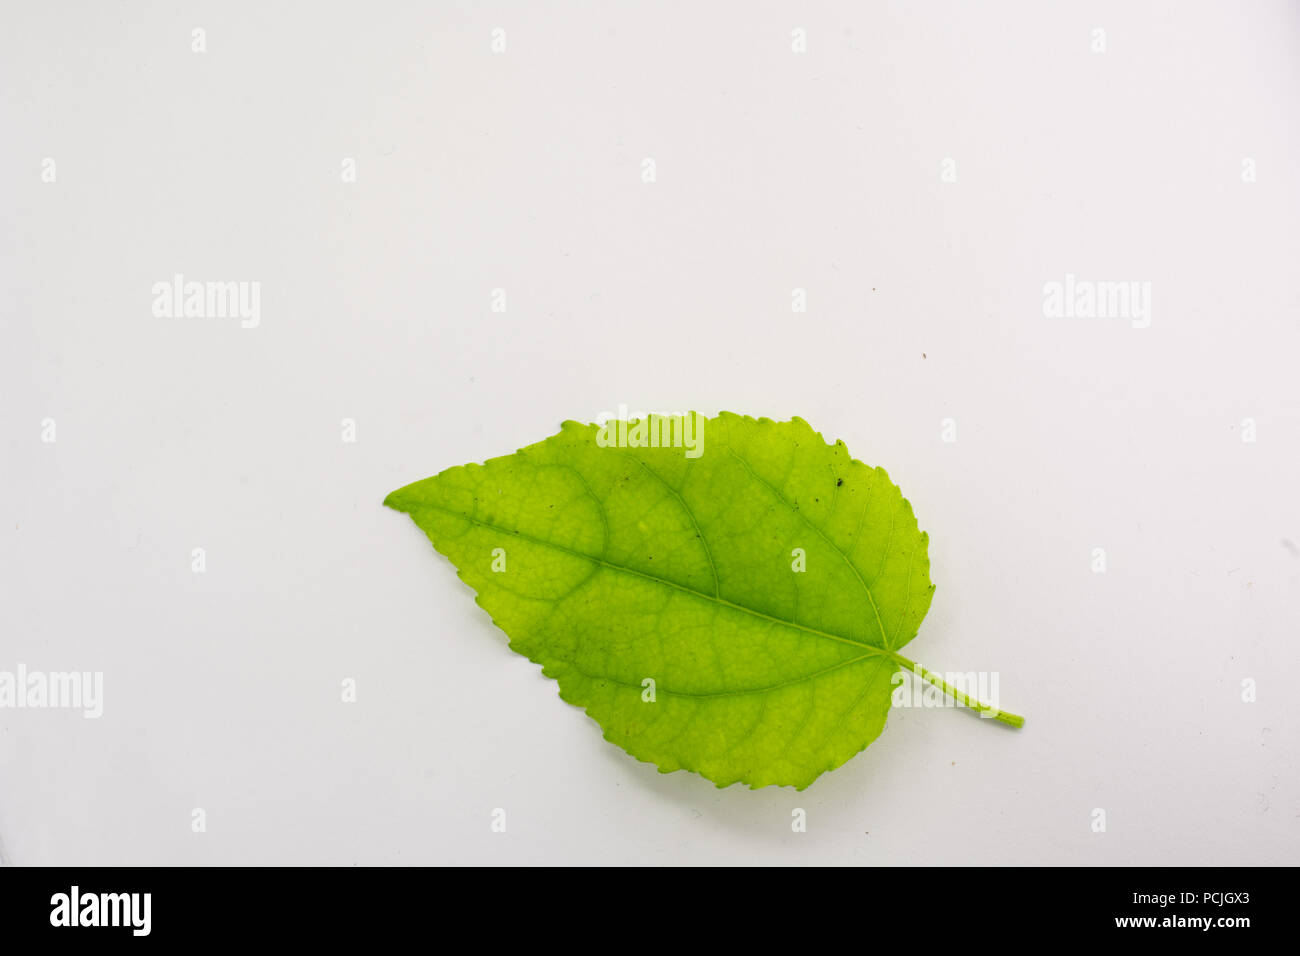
point(1011, 720)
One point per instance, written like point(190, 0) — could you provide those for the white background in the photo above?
point(523, 171)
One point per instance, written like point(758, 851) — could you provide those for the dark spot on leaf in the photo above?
point(838, 482)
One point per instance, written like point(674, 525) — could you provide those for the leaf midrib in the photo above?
point(712, 599)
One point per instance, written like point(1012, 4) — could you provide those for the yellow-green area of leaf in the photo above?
point(723, 595)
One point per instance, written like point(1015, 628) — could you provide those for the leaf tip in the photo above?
point(402, 499)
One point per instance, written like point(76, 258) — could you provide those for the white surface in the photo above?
point(522, 171)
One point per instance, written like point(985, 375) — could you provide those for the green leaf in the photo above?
point(732, 604)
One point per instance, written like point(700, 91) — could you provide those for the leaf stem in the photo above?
point(1012, 720)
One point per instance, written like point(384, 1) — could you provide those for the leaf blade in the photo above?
point(626, 564)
